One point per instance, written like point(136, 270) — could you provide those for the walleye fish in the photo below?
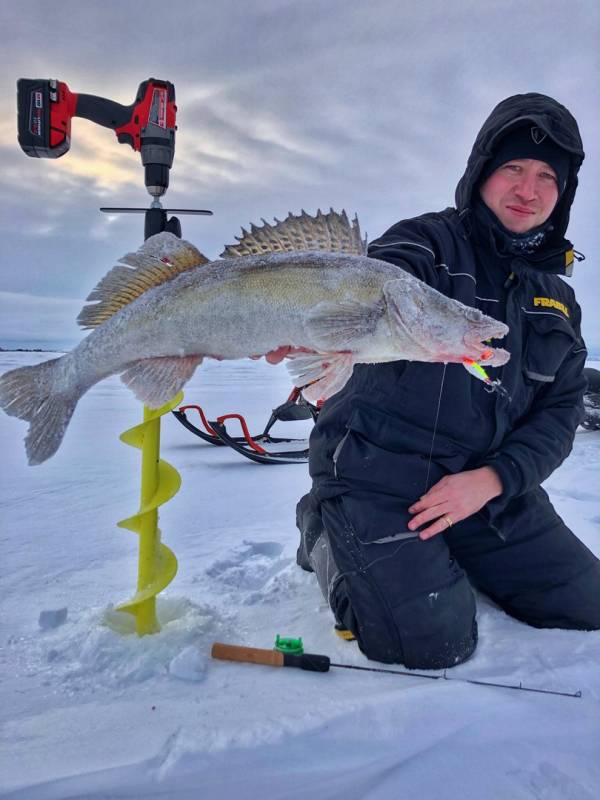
point(305, 282)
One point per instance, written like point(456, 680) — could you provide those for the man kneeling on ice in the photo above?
point(425, 483)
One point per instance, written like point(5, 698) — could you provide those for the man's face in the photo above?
point(522, 193)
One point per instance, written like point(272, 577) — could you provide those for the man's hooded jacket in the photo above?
point(397, 428)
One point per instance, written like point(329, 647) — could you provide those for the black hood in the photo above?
point(551, 117)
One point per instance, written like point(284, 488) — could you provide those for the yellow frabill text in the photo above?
point(548, 302)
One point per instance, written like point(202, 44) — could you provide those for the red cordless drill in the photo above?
point(46, 107)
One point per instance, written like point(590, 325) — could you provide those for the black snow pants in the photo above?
point(410, 601)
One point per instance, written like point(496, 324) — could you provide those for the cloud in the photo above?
point(27, 318)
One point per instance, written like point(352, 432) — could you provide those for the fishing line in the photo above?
point(403, 537)
point(437, 415)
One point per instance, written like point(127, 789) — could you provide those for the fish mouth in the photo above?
point(479, 347)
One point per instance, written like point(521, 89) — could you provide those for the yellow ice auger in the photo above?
point(157, 564)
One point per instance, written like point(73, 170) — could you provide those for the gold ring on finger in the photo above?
point(448, 520)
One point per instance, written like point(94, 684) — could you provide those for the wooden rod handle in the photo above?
point(251, 655)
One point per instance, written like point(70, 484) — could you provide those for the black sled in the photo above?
point(262, 448)
point(591, 400)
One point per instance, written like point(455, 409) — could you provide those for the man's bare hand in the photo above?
point(454, 498)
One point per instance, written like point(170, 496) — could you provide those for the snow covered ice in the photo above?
point(89, 710)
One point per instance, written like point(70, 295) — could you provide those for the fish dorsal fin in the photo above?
point(157, 261)
point(331, 232)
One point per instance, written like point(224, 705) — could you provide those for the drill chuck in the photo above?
point(157, 150)
point(156, 178)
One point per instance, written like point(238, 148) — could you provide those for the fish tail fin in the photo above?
point(38, 394)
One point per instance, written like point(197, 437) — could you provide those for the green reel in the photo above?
point(285, 644)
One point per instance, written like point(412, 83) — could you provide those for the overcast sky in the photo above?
point(372, 107)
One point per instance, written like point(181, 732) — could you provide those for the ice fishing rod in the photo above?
point(321, 663)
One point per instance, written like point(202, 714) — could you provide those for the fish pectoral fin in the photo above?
point(321, 374)
point(155, 381)
point(334, 326)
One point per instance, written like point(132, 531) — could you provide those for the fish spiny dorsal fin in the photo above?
point(332, 232)
point(157, 261)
